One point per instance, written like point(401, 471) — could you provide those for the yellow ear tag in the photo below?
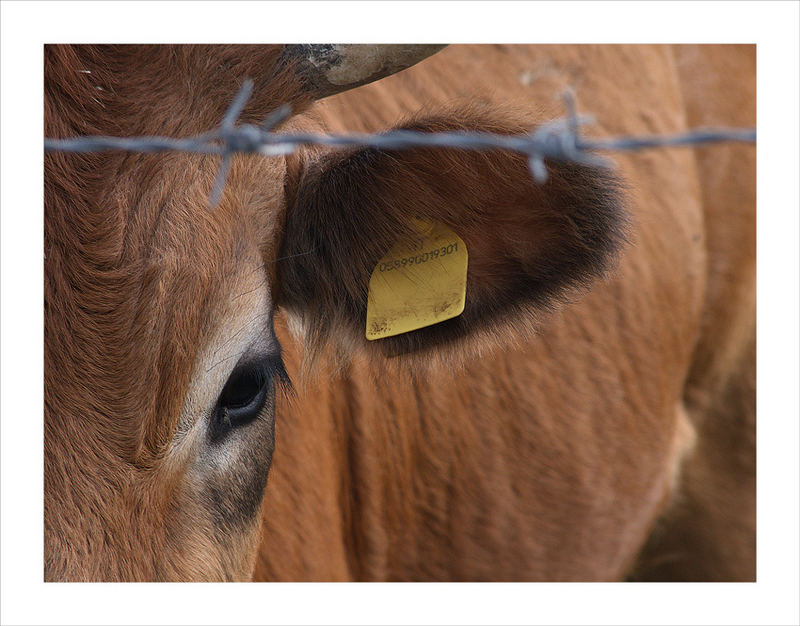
point(418, 283)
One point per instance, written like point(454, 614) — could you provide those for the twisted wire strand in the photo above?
point(558, 140)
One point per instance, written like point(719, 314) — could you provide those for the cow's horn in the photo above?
point(332, 68)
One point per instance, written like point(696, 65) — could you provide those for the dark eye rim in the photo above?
point(237, 408)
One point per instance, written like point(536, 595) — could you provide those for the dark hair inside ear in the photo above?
point(528, 244)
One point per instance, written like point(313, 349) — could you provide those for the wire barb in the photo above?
point(556, 140)
point(237, 106)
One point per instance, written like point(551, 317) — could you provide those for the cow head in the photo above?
point(161, 362)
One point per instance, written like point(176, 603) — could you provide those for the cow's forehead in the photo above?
point(179, 276)
point(214, 265)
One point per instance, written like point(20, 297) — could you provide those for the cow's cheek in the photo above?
point(223, 488)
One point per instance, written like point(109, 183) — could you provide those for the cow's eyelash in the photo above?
point(276, 369)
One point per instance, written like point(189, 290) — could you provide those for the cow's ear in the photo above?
point(528, 244)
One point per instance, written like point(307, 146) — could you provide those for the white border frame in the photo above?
point(773, 26)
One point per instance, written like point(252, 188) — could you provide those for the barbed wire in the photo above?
point(558, 140)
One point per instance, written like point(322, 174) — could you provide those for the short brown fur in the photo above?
point(603, 408)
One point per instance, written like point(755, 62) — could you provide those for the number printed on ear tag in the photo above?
point(418, 283)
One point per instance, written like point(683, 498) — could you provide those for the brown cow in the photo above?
point(589, 416)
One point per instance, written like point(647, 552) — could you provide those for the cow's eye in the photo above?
point(242, 389)
point(243, 396)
